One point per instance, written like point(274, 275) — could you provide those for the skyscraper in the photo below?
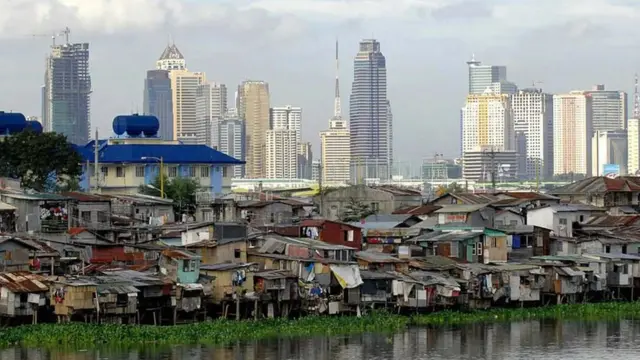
point(286, 117)
point(253, 107)
point(533, 117)
point(184, 90)
point(211, 105)
point(368, 110)
point(572, 131)
point(609, 109)
point(231, 140)
point(494, 77)
point(67, 91)
point(487, 122)
point(171, 59)
point(633, 146)
point(158, 101)
point(609, 148)
point(335, 146)
point(282, 142)
point(305, 160)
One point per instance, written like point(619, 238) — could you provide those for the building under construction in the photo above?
point(67, 91)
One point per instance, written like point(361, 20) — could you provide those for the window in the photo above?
point(473, 250)
point(86, 216)
point(237, 253)
point(204, 172)
point(563, 221)
point(119, 172)
point(192, 265)
point(139, 171)
point(513, 222)
point(105, 171)
point(192, 171)
point(479, 249)
point(185, 265)
point(225, 171)
point(173, 171)
point(454, 249)
point(375, 206)
point(624, 249)
point(607, 249)
point(499, 223)
point(581, 218)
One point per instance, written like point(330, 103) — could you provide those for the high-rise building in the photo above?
point(158, 101)
point(231, 140)
point(633, 147)
point(609, 109)
point(305, 160)
point(335, 145)
point(572, 131)
point(281, 154)
point(184, 86)
point(487, 120)
point(287, 118)
point(211, 106)
point(533, 117)
point(67, 91)
point(368, 110)
point(609, 148)
point(483, 77)
point(315, 170)
point(253, 107)
point(171, 59)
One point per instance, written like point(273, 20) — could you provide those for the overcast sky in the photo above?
point(566, 44)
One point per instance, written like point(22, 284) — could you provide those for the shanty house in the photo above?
point(602, 191)
point(182, 267)
point(39, 212)
point(561, 218)
point(22, 294)
point(472, 215)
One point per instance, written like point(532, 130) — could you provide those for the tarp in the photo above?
point(347, 275)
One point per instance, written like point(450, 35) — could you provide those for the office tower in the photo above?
point(368, 121)
point(231, 140)
point(609, 109)
point(609, 151)
point(305, 160)
point(572, 131)
point(483, 77)
point(46, 124)
point(633, 146)
point(286, 117)
point(485, 162)
point(390, 136)
point(533, 117)
point(171, 59)
point(315, 170)
point(68, 89)
point(487, 120)
point(253, 108)
point(211, 106)
point(335, 145)
point(281, 154)
point(184, 88)
point(158, 101)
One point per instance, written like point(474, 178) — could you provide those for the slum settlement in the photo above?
point(126, 259)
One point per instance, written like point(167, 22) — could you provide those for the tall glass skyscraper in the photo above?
point(158, 101)
point(67, 91)
point(369, 115)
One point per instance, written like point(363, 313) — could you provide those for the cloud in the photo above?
point(464, 10)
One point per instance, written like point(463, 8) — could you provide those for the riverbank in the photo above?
point(226, 331)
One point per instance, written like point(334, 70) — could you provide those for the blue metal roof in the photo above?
point(171, 154)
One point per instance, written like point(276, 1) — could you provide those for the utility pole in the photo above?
point(492, 155)
point(96, 168)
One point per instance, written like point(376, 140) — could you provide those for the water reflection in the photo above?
point(548, 340)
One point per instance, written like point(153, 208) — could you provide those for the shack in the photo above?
point(278, 289)
point(73, 299)
point(233, 283)
point(22, 294)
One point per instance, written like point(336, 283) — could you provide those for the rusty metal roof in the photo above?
point(599, 185)
point(180, 254)
point(418, 210)
point(80, 196)
point(24, 282)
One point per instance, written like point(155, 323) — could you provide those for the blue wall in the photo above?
point(85, 184)
point(151, 171)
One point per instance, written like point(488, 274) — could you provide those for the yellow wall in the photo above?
point(223, 285)
point(222, 253)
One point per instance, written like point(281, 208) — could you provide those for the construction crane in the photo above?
point(55, 35)
point(535, 83)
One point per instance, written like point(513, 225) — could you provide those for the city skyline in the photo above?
point(545, 52)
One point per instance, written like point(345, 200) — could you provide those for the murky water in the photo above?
point(548, 340)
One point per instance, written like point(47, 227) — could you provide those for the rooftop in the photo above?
point(450, 209)
point(169, 152)
point(470, 198)
point(418, 210)
point(171, 52)
point(569, 208)
point(23, 282)
point(36, 196)
point(600, 184)
point(85, 197)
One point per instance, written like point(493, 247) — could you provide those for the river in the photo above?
point(531, 340)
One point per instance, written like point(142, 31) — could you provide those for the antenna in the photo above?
point(66, 33)
point(337, 106)
point(636, 99)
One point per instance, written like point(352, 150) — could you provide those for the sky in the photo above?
point(561, 45)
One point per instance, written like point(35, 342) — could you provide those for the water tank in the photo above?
point(11, 123)
point(34, 126)
point(136, 125)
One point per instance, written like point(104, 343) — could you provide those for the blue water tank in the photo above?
point(136, 125)
point(11, 123)
point(35, 126)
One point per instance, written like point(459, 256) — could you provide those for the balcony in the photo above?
point(54, 226)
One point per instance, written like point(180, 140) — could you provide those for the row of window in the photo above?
point(172, 171)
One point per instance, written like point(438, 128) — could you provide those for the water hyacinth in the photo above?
point(228, 331)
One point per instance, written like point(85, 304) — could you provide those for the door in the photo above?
point(444, 249)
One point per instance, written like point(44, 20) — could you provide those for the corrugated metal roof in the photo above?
point(449, 209)
point(180, 254)
point(274, 274)
point(24, 282)
point(377, 257)
point(80, 196)
point(599, 185)
point(226, 266)
point(6, 207)
point(418, 210)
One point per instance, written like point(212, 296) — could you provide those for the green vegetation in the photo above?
point(181, 190)
point(356, 210)
point(226, 331)
point(43, 162)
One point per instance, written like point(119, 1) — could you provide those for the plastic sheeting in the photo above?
point(347, 275)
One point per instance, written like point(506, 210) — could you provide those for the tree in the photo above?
point(181, 190)
point(39, 160)
point(356, 211)
point(453, 188)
